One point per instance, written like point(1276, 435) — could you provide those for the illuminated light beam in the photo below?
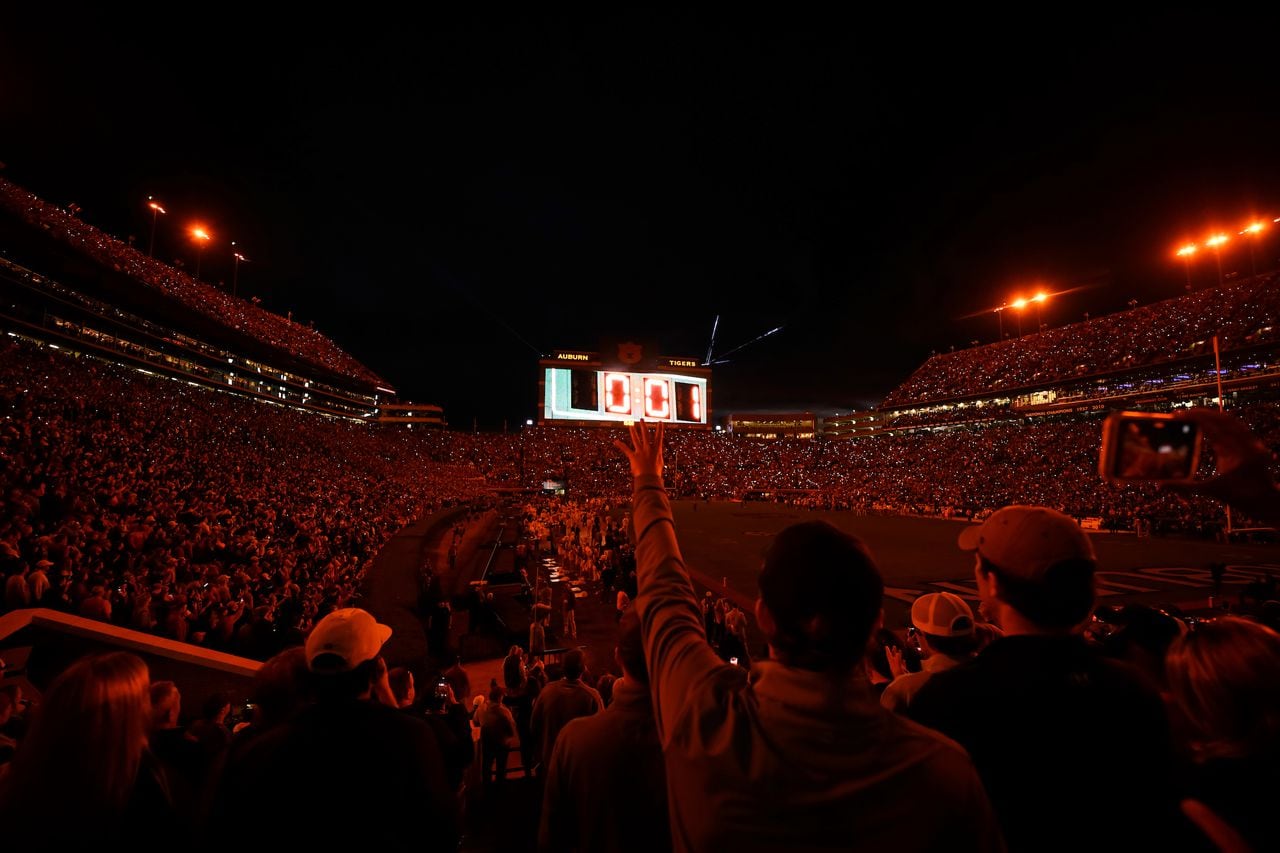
point(1051, 295)
point(712, 345)
point(773, 331)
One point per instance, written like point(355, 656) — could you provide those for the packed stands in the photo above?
point(240, 315)
point(1243, 314)
point(202, 516)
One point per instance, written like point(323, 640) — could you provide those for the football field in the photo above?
point(723, 543)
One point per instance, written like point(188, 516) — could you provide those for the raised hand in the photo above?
point(645, 452)
point(1243, 480)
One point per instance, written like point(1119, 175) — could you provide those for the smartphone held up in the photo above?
point(1149, 447)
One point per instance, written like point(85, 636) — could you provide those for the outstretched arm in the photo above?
point(675, 644)
point(1243, 480)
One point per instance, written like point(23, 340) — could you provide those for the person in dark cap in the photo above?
point(798, 754)
point(1044, 715)
point(345, 769)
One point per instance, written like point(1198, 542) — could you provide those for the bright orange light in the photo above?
point(1189, 249)
point(198, 232)
point(617, 393)
point(1254, 227)
point(238, 256)
point(1216, 240)
point(656, 397)
point(1040, 297)
point(156, 207)
point(1019, 303)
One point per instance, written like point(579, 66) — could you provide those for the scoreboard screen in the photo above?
point(586, 394)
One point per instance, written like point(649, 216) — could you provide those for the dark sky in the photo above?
point(448, 196)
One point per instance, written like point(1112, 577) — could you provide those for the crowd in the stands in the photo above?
point(201, 516)
point(229, 523)
point(1242, 314)
point(248, 527)
point(243, 315)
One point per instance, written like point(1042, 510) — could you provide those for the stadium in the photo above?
point(197, 480)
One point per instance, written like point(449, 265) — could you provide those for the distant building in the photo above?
point(410, 414)
point(852, 425)
point(771, 426)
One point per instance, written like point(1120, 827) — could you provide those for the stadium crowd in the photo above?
point(1242, 313)
point(201, 516)
point(239, 525)
point(242, 315)
point(193, 514)
point(961, 472)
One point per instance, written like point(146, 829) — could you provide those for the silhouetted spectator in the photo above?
point(606, 781)
point(946, 627)
point(344, 749)
point(1224, 681)
point(559, 702)
point(83, 775)
point(1040, 711)
point(802, 755)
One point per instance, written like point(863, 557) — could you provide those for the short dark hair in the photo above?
point(574, 664)
point(1062, 597)
point(953, 647)
point(215, 703)
point(631, 647)
point(337, 686)
point(823, 589)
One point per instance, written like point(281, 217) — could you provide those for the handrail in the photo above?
point(125, 638)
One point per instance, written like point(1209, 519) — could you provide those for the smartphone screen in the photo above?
point(1139, 446)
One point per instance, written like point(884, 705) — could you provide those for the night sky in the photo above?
point(447, 197)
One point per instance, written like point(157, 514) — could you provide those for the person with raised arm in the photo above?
point(798, 754)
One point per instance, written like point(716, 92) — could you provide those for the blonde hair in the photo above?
point(86, 743)
point(1224, 677)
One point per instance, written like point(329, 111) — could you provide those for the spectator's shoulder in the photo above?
point(945, 692)
point(937, 748)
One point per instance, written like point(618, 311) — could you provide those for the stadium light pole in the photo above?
point(1019, 304)
point(1215, 242)
point(1185, 252)
point(156, 210)
point(1253, 229)
point(202, 238)
point(1000, 316)
point(235, 269)
point(1039, 299)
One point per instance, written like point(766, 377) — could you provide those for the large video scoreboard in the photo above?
point(580, 389)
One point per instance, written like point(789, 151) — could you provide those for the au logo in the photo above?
point(630, 353)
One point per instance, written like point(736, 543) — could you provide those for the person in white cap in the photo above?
point(948, 636)
point(345, 768)
point(1045, 717)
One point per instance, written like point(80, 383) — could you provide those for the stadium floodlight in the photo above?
point(202, 238)
point(1215, 242)
point(1019, 304)
point(1185, 251)
point(1253, 229)
point(1039, 299)
point(156, 210)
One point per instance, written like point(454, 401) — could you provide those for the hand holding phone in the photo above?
point(1149, 446)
